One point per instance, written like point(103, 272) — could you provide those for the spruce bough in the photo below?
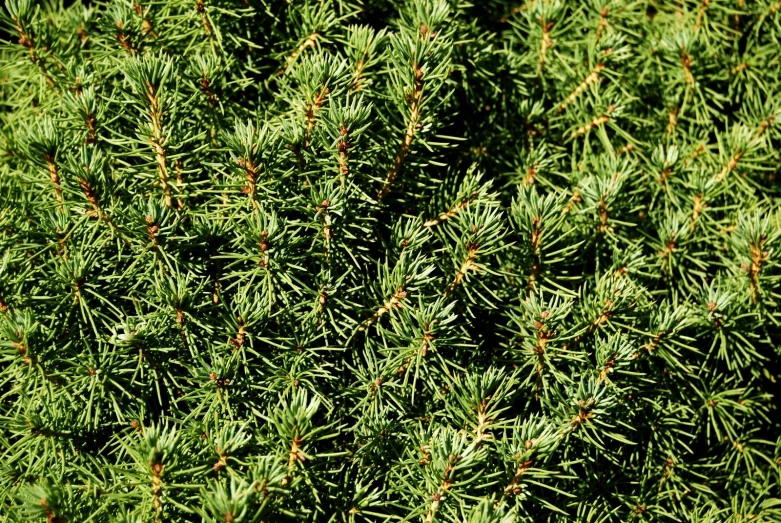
point(366, 260)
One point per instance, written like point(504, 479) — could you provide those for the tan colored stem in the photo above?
point(466, 266)
point(547, 42)
point(731, 165)
point(54, 176)
point(157, 141)
point(313, 109)
point(452, 212)
point(146, 25)
point(596, 122)
point(124, 39)
point(651, 345)
point(701, 14)
point(698, 208)
point(686, 61)
point(483, 422)
point(207, 26)
point(603, 318)
point(97, 210)
point(409, 135)
point(342, 148)
point(773, 8)
point(513, 487)
point(764, 126)
point(295, 453)
point(157, 487)
point(602, 23)
point(179, 183)
point(310, 41)
point(359, 67)
point(672, 121)
point(27, 41)
point(593, 77)
point(696, 154)
point(251, 177)
point(394, 302)
point(758, 256)
point(444, 487)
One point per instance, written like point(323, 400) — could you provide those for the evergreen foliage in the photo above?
point(403, 260)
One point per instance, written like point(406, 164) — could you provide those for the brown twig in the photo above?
point(310, 41)
point(593, 77)
point(731, 165)
point(409, 134)
point(596, 122)
point(157, 141)
point(547, 42)
point(701, 14)
point(54, 176)
point(698, 208)
point(686, 61)
point(342, 148)
point(758, 256)
point(312, 110)
point(451, 212)
point(394, 302)
point(467, 265)
point(444, 487)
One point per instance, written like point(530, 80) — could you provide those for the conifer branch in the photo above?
point(698, 208)
point(592, 78)
point(157, 488)
point(444, 487)
point(185, 269)
point(771, 10)
point(312, 110)
point(592, 327)
point(672, 121)
point(596, 122)
point(27, 41)
point(97, 210)
point(124, 39)
point(357, 84)
point(603, 23)
point(686, 62)
point(467, 265)
point(729, 167)
point(701, 14)
point(452, 212)
point(157, 141)
point(409, 134)
point(625, 149)
point(309, 41)
point(342, 148)
point(536, 269)
point(394, 302)
point(513, 488)
point(179, 183)
point(547, 41)
point(251, 172)
point(758, 257)
point(146, 25)
point(696, 154)
point(200, 6)
point(54, 177)
point(740, 67)
point(764, 126)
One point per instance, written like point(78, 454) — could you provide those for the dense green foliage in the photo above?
point(367, 260)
